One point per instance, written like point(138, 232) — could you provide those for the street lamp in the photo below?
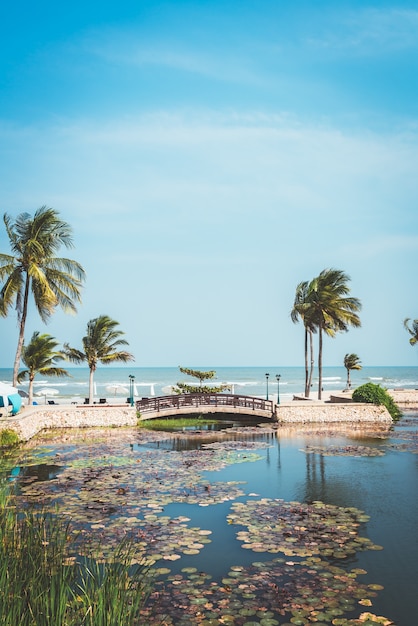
point(131, 389)
point(267, 385)
point(278, 387)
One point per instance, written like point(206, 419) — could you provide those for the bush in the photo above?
point(8, 438)
point(375, 394)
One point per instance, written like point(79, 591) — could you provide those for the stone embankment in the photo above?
point(330, 413)
point(337, 409)
point(32, 420)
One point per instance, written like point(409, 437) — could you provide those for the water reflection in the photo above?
point(42, 472)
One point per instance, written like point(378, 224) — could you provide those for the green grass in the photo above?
point(176, 423)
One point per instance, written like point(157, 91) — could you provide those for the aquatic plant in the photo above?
point(115, 488)
point(176, 423)
point(42, 582)
point(375, 394)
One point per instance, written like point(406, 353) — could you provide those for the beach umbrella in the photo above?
point(47, 391)
point(9, 396)
point(117, 390)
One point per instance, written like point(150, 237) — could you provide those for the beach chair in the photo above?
point(52, 402)
point(102, 401)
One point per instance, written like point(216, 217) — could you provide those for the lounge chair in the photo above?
point(52, 402)
point(102, 401)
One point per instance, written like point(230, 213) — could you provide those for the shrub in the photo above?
point(375, 394)
point(8, 438)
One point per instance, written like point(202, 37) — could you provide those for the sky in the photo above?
point(209, 156)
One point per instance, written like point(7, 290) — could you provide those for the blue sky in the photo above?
point(209, 157)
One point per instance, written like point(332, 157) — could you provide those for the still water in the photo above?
point(293, 465)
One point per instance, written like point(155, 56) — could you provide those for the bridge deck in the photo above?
point(184, 404)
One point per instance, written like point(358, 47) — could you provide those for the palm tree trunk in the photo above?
point(91, 386)
point(30, 392)
point(21, 332)
point(311, 350)
point(306, 365)
point(320, 363)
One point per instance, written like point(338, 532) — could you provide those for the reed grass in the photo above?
point(43, 584)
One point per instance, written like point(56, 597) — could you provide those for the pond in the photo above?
point(251, 526)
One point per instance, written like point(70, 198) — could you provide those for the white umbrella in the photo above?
point(47, 391)
point(119, 390)
point(7, 390)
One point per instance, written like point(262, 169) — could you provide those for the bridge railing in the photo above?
point(164, 403)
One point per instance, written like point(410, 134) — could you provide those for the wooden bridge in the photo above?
point(192, 403)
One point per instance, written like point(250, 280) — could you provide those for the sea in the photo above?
point(115, 382)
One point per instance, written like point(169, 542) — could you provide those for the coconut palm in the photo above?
point(351, 362)
point(412, 330)
point(33, 267)
point(331, 309)
point(301, 311)
point(100, 345)
point(40, 357)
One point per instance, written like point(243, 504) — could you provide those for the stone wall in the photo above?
point(307, 412)
point(34, 419)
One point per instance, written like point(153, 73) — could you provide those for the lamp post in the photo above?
point(131, 389)
point(267, 386)
point(278, 387)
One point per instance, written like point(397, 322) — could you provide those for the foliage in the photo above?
point(33, 267)
point(42, 583)
point(351, 362)
point(412, 330)
point(100, 345)
point(375, 394)
point(40, 357)
point(201, 376)
point(8, 438)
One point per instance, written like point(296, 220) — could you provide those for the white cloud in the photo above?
point(130, 51)
point(370, 31)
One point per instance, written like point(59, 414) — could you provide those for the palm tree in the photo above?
point(34, 267)
point(412, 330)
point(351, 362)
point(40, 357)
point(331, 309)
point(301, 310)
point(99, 346)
